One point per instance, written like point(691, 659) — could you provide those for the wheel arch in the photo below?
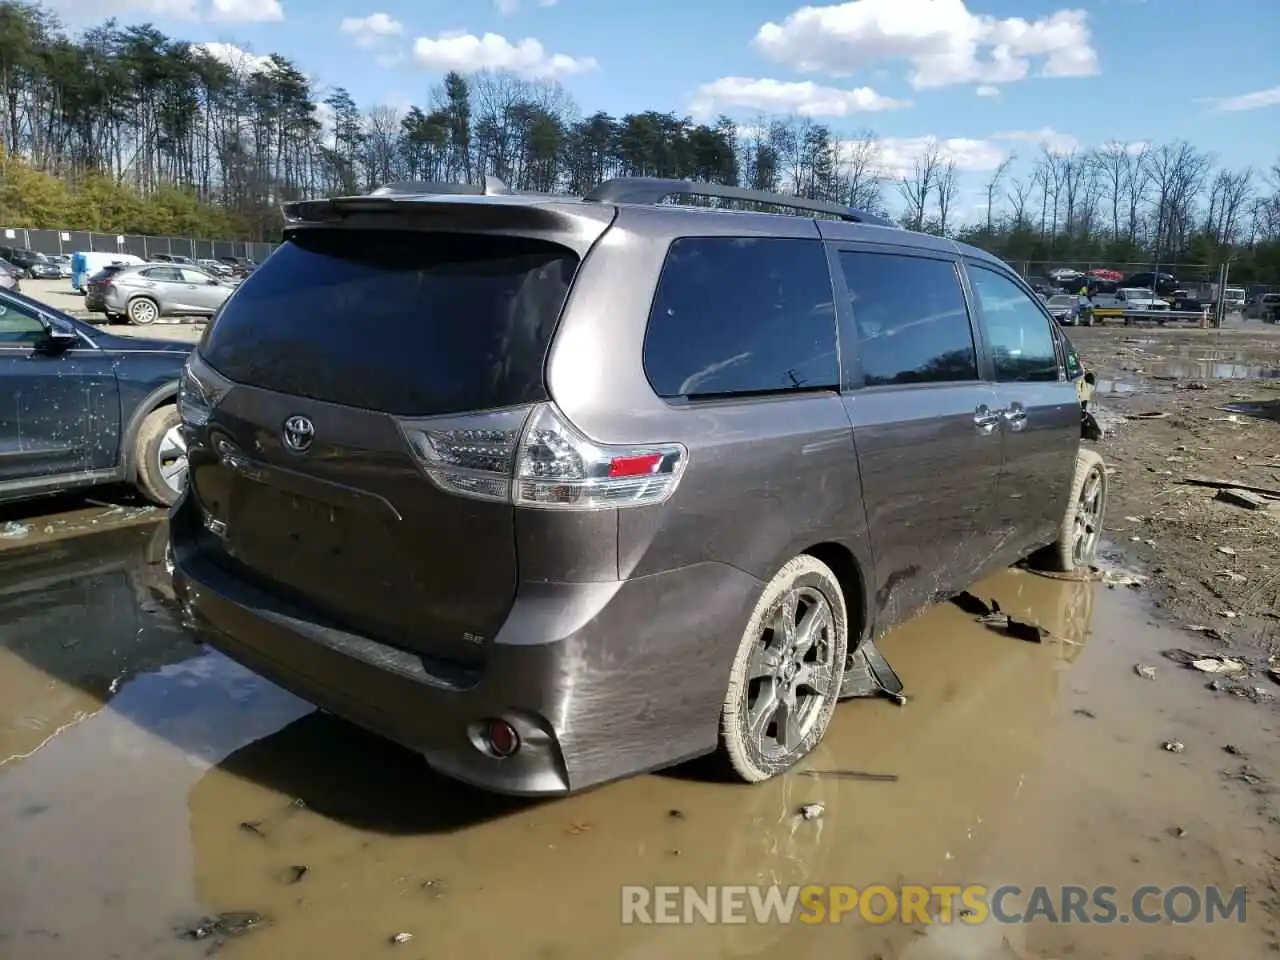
point(851, 575)
point(162, 396)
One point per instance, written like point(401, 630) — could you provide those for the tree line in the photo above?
point(124, 129)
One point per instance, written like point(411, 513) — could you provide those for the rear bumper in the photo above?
point(601, 680)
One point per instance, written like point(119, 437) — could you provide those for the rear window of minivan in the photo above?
point(408, 322)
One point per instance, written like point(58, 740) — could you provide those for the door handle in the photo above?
point(1015, 416)
point(984, 419)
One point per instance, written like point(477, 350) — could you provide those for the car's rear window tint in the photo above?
point(412, 323)
point(738, 316)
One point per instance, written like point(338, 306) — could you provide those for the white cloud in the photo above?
point(234, 57)
point(508, 7)
point(986, 90)
point(1246, 101)
point(776, 96)
point(466, 52)
point(1046, 137)
point(194, 11)
point(897, 155)
point(371, 30)
point(245, 11)
point(945, 43)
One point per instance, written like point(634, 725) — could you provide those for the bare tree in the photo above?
point(1019, 196)
point(993, 185)
point(1177, 172)
point(860, 172)
point(1137, 185)
point(917, 188)
point(948, 187)
point(1112, 165)
point(1229, 198)
point(1047, 175)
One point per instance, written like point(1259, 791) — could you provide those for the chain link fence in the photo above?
point(51, 242)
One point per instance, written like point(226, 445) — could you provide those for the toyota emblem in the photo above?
point(297, 434)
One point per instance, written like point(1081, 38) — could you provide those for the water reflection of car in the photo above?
point(1070, 310)
point(78, 617)
point(85, 407)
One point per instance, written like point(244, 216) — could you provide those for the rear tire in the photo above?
point(143, 311)
point(1081, 528)
point(785, 682)
point(161, 456)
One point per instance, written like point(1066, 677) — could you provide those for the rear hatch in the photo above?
point(353, 330)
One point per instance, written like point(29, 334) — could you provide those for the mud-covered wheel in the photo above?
point(143, 311)
point(1077, 542)
point(785, 680)
point(160, 453)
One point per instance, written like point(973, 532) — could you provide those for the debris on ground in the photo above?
point(229, 924)
point(1217, 665)
point(851, 775)
point(1246, 498)
point(1211, 632)
point(1244, 691)
point(969, 603)
point(1228, 551)
point(1119, 578)
point(812, 811)
point(402, 938)
point(13, 530)
point(1246, 774)
point(252, 826)
point(297, 872)
point(1144, 671)
point(1148, 415)
point(1173, 746)
point(675, 814)
point(1018, 629)
point(1235, 751)
point(1232, 485)
point(1082, 712)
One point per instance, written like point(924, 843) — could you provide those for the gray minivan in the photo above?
point(555, 490)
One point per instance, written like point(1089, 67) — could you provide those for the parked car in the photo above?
point(10, 277)
point(34, 266)
point(85, 408)
point(170, 258)
point(1071, 309)
point(215, 268)
point(554, 491)
point(143, 294)
point(1264, 308)
point(1161, 283)
point(63, 262)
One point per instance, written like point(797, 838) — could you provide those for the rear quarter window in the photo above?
point(740, 316)
point(410, 323)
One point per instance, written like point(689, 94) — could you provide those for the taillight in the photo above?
point(536, 458)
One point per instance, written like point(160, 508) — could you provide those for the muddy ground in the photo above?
point(151, 789)
point(1195, 403)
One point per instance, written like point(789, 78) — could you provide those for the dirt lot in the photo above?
point(1202, 403)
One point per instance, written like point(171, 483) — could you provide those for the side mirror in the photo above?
point(56, 340)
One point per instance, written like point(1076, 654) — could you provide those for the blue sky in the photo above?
point(984, 77)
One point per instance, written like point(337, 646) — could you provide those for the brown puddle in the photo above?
point(1017, 763)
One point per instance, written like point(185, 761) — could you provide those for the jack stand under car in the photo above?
point(868, 674)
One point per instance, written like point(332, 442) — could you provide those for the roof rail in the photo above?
point(653, 190)
point(487, 187)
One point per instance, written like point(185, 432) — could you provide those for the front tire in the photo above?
point(785, 680)
point(1081, 528)
point(160, 453)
